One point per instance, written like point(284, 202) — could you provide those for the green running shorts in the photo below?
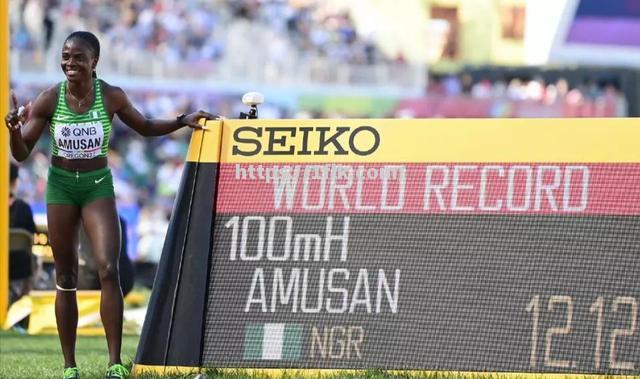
point(78, 188)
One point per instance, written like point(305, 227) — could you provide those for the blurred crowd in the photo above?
point(524, 95)
point(199, 33)
point(205, 33)
point(535, 89)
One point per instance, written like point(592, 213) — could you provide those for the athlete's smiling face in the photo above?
point(78, 60)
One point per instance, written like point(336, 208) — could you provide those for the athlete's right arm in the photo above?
point(27, 123)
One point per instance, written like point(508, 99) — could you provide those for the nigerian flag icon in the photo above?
point(273, 341)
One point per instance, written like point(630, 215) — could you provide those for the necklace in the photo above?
point(80, 102)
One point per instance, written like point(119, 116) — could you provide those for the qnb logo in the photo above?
point(66, 132)
point(320, 140)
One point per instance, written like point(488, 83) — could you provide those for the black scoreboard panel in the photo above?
point(464, 245)
point(430, 292)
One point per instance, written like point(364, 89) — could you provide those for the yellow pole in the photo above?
point(4, 160)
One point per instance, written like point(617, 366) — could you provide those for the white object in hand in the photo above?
point(252, 98)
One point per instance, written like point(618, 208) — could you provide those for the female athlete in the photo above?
point(78, 114)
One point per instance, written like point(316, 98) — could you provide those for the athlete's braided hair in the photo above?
point(90, 40)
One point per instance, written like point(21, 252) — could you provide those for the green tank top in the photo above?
point(80, 136)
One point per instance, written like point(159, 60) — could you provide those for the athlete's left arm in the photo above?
point(118, 103)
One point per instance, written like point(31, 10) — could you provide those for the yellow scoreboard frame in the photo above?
point(175, 344)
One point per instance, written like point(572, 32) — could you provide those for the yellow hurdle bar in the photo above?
point(4, 161)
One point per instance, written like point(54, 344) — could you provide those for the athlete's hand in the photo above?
point(17, 116)
point(191, 120)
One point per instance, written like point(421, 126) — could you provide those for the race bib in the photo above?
point(79, 141)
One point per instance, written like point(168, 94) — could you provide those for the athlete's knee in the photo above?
point(67, 280)
point(108, 271)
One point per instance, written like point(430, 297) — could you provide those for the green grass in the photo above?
point(29, 357)
point(40, 356)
